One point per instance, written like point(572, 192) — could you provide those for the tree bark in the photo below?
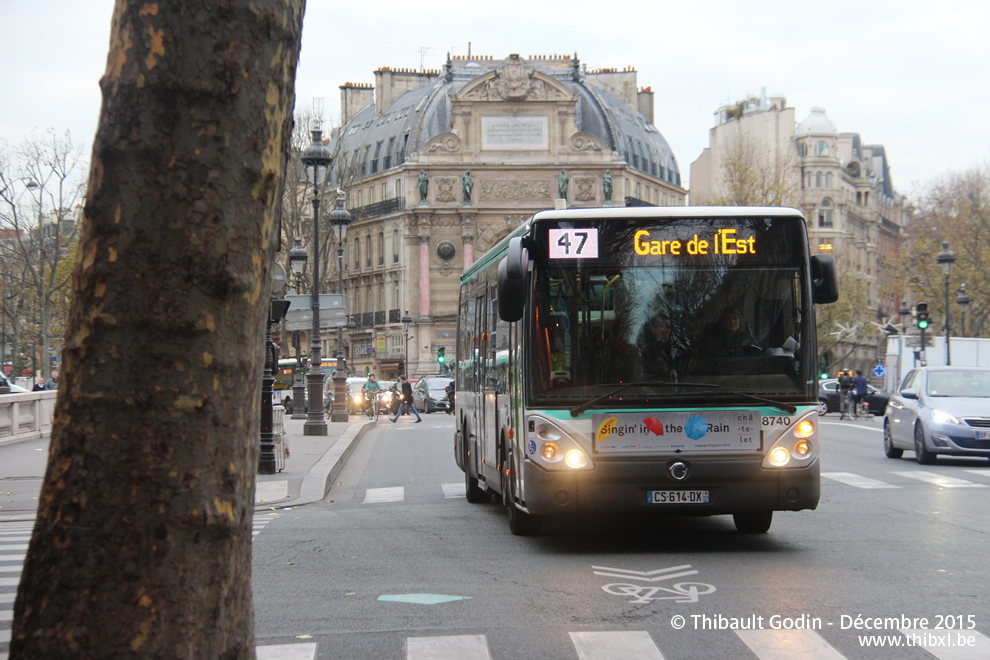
point(142, 545)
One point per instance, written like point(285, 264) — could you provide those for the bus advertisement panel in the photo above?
point(633, 359)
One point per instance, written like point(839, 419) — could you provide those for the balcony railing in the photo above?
point(378, 209)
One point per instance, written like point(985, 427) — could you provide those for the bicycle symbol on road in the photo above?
point(679, 592)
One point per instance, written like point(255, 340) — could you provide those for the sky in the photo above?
point(906, 74)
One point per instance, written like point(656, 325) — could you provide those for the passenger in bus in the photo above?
point(731, 336)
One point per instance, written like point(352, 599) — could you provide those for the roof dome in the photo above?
point(816, 123)
point(424, 112)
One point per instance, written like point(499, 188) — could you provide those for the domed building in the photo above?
point(841, 185)
point(438, 166)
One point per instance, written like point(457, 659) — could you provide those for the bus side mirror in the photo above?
point(824, 280)
point(511, 281)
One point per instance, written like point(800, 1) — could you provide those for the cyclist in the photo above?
point(859, 391)
point(371, 388)
point(845, 387)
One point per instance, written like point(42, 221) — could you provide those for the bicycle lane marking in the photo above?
point(680, 592)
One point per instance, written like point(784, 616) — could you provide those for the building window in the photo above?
point(367, 251)
point(818, 179)
point(398, 188)
point(828, 179)
point(371, 195)
point(381, 251)
point(395, 249)
point(804, 149)
point(357, 253)
point(825, 213)
point(374, 161)
point(384, 190)
point(821, 148)
point(388, 153)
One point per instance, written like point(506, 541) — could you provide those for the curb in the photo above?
point(321, 477)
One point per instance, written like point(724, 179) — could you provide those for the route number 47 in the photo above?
point(579, 243)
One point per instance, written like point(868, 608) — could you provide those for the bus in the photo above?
point(648, 359)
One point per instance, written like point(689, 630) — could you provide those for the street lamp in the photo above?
point(340, 218)
point(317, 160)
point(945, 259)
point(963, 301)
point(406, 320)
point(297, 266)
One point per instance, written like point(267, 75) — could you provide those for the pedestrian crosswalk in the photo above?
point(924, 476)
point(763, 643)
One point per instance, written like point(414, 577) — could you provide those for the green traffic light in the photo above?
point(823, 375)
point(923, 324)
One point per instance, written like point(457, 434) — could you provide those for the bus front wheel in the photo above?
point(521, 523)
point(753, 522)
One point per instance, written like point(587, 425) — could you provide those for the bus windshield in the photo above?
point(673, 310)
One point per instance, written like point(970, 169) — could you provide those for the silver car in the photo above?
point(939, 410)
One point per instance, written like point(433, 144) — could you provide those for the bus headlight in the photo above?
point(779, 456)
point(550, 452)
point(796, 447)
point(575, 458)
point(553, 448)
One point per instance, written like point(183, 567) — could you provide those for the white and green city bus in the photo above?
point(643, 359)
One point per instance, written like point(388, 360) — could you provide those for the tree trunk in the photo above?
point(142, 546)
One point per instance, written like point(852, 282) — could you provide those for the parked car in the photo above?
point(939, 410)
point(828, 398)
point(430, 393)
point(7, 386)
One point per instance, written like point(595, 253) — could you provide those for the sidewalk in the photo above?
point(313, 463)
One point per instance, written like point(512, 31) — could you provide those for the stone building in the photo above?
point(438, 166)
point(843, 187)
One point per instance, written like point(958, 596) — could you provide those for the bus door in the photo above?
point(478, 346)
point(490, 388)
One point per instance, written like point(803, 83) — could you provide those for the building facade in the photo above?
point(843, 187)
point(438, 166)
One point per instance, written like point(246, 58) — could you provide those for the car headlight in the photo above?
point(940, 417)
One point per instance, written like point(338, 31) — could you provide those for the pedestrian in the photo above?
point(845, 385)
point(407, 401)
point(52, 383)
point(860, 390)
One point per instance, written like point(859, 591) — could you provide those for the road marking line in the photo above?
point(632, 644)
point(12, 548)
point(856, 480)
point(982, 473)
point(455, 647)
point(450, 491)
point(946, 646)
point(380, 495)
point(286, 652)
point(938, 479)
point(802, 644)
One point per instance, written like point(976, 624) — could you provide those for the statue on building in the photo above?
point(468, 186)
point(562, 185)
point(607, 185)
point(424, 187)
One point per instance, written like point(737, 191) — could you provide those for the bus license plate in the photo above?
point(677, 497)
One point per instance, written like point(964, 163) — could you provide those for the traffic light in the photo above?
point(440, 357)
point(822, 367)
point(921, 312)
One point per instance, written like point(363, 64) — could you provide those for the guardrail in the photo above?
point(26, 416)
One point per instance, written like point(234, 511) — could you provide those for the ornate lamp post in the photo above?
point(406, 320)
point(945, 259)
point(340, 218)
point(317, 160)
point(297, 266)
point(963, 301)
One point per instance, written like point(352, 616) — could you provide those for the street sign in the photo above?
point(278, 278)
point(333, 313)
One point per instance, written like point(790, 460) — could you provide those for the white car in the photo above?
point(939, 410)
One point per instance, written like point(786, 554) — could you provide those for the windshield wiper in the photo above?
point(650, 383)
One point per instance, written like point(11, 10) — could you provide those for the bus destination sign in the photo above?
point(709, 431)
